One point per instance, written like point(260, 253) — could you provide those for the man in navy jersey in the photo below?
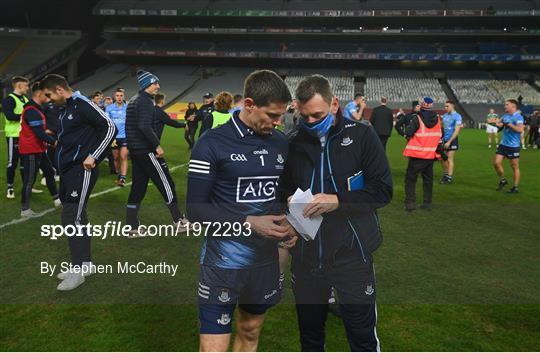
point(232, 181)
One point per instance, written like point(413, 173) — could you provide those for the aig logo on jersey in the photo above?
point(256, 189)
point(238, 157)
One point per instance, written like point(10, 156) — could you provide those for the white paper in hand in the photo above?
point(306, 227)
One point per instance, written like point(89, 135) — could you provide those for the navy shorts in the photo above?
point(255, 290)
point(454, 146)
point(508, 152)
point(120, 143)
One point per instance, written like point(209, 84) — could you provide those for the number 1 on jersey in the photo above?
point(262, 160)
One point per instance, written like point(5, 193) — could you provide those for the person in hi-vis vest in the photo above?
point(222, 104)
point(424, 135)
point(13, 106)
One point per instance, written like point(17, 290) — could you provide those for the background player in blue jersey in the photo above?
point(355, 108)
point(512, 124)
point(232, 180)
point(117, 113)
point(452, 123)
point(238, 103)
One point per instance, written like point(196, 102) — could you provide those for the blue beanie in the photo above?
point(428, 100)
point(145, 79)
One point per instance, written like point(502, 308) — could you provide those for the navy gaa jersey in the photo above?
point(240, 172)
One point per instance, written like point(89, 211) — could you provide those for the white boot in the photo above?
point(72, 281)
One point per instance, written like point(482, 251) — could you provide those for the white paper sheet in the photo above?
point(306, 227)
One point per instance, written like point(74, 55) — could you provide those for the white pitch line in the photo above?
point(49, 210)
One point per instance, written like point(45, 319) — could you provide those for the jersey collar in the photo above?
point(239, 127)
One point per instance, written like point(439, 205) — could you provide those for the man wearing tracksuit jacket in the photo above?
point(147, 155)
point(12, 106)
point(344, 164)
point(33, 142)
point(84, 135)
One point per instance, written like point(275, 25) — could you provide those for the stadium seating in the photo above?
point(315, 5)
point(30, 51)
point(173, 80)
point(218, 79)
point(493, 91)
point(101, 79)
point(7, 45)
point(475, 91)
point(401, 87)
point(343, 86)
point(512, 89)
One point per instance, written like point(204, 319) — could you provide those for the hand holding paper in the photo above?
point(306, 227)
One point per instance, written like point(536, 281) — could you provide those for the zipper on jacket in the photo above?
point(336, 189)
point(357, 239)
point(322, 190)
point(77, 153)
point(58, 139)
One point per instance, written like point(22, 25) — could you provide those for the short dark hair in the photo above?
point(265, 87)
point(312, 85)
point(384, 100)
point(237, 98)
point(35, 87)
point(450, 102)
point(513, 101)
point(159, 97)
point(357, 95)
point(120, 90)
point(52, 80)
point(17, 79)
point(96, 94)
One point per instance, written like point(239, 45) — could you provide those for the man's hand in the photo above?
point(159, 152)
point(321, 203)
point(270, 226)
point(290, 243)
point(447, 145)
point(89, 163)
point(362, 105)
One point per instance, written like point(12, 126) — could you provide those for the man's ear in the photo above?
point(249, 104)
point(334, 106)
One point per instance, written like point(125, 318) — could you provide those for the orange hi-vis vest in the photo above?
point(424, 142)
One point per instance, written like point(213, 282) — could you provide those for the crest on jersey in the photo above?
point(225, 319)
point(224, 296)
point(280, 159)
point(369, 289)
point(346, 141)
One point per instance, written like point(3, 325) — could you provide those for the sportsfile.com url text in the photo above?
point(117, 229)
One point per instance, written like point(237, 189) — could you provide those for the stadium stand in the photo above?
point(475, 91)
point(493, 91)
point(102, 79)
point(514, 88)
point(402, 87)
point(215, 80)
point(318, 5)
point(173, 80)
point(343, 86)
point(22, 49)
point(8, 45)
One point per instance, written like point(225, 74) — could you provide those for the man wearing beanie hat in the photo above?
point(147, 154)
point(424, 134)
